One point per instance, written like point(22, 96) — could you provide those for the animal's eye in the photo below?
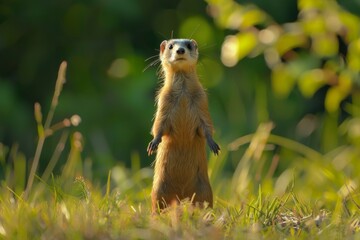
point(171, 46)
point(189, 46)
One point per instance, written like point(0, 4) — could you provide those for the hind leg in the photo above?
point(161, 200)
point(203, 194)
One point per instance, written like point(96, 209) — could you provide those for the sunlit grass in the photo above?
point(315, 196)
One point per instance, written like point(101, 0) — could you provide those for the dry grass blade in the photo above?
point(55, 157)
point(254, 151)
point(43, 128)
point(58, 87)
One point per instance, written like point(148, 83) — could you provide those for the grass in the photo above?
point(315, 196)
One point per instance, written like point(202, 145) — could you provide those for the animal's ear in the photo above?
point(162, 46)
point(194, 43)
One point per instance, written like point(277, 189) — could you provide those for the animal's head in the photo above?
point(179, 54)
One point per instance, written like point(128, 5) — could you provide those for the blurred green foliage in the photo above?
point(321, 48)
point(295, 63)
point(314, 99)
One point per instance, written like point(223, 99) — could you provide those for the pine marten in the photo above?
point(181, 128)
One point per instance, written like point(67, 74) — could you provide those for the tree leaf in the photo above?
point(289, 41)
point(236, 47)
point(353, 56)
point(333, 99)
point(310, 81)
point(282, 80)
point(325, 45)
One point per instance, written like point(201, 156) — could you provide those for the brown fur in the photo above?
point(183, 125)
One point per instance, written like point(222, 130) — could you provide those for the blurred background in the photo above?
point(294, 63)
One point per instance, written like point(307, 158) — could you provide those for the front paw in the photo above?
point(214, 147)
point(153, 145)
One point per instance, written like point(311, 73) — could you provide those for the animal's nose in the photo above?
point(180, 51)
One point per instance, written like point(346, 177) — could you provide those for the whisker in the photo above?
point(205, 46)
point(149, 58)
point(153, 63)
point(195, 30)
